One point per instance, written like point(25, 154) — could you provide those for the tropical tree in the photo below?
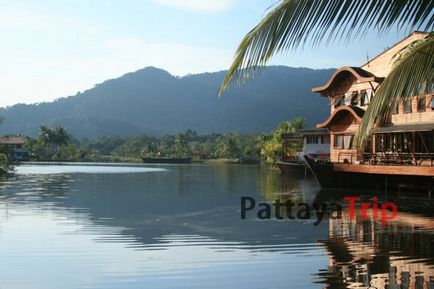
point(272, 147)
point(228, 147)
point(149, 150)
point(294, 23)
point(180, 145)
point(6, 165)
point(46, 134)
point(46, 138)
point(52, 139)
point(61, 136)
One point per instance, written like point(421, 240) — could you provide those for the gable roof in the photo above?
point(421, 33)
point(357, 72)
point(356, 112)
point(12, 140)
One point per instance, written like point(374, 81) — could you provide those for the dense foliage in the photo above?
point(271, 149)
point(55, 144)
point(6, 166)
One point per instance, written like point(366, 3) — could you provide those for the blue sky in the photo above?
point(50, 49)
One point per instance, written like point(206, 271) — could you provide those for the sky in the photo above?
point(56, 48)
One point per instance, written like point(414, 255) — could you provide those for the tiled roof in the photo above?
point(12, 140)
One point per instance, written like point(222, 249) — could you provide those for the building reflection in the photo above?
point(363, 253)
point(199, 205)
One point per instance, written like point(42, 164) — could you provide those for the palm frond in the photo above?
point(299, 22)
point(411, 75)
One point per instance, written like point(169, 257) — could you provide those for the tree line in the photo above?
point(56, 144)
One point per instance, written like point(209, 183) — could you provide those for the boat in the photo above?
point(307, 142)
point(291, 166)
point(399, 152)
point(346, 175)
point(166, 160)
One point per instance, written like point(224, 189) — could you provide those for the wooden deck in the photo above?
point(385, 169)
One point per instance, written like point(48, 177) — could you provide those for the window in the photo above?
point(339, 100)
point(311, 140)
point(348, 141)
point(363, 98)
point(338, 141)
point(395, 108)
point(421, 103)
point(325, 139)
point(343, 141)
point(407, 106)
point(355, 98)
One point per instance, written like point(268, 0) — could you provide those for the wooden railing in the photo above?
point(347, 157)
point(395, 158)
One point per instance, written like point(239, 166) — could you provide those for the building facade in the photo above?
point(13, 147)
point(406, 138)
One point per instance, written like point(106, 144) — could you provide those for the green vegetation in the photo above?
point(292, 24)
point(271, 149)
point(56, 144)
point(150, 101)
point(6, 165)
point(51, 144)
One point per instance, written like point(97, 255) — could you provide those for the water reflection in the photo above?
point(180, 227)
point(367, 254)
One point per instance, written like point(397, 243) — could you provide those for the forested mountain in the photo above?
point(152, 101)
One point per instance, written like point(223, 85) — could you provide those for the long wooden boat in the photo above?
point(166, 160)
point(292, 166)
point(384, 177)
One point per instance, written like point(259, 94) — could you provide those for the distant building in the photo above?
point(14, 147)
point(314, 143)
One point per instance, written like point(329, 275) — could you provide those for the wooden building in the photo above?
point(406, 139)
point(13, 147)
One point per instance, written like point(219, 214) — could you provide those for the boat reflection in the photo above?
point(190, 216)
point(363, 253)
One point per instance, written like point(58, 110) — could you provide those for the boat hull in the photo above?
point(292, 167)
point(163, 160)
point(329, 175)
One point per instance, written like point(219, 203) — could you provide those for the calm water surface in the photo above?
point(179, 226)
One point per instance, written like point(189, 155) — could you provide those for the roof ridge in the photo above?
point(384, 51)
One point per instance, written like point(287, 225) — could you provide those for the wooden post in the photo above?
point(374, 143)
point(413, 146)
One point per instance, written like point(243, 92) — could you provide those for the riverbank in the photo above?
point(110, 160)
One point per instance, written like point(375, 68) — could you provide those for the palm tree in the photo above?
point(227, 147)
point(53, 137)
point(61, 136)
point(180, 145)
point(271, 149)
point(294, 23)
point(46, 136)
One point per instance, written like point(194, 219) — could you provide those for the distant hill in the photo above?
point(154, 102)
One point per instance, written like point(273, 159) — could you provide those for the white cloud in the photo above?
point(23, 19)
point(180, 59)
point(199, 5)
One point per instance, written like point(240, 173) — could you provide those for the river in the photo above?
point(179, 226)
